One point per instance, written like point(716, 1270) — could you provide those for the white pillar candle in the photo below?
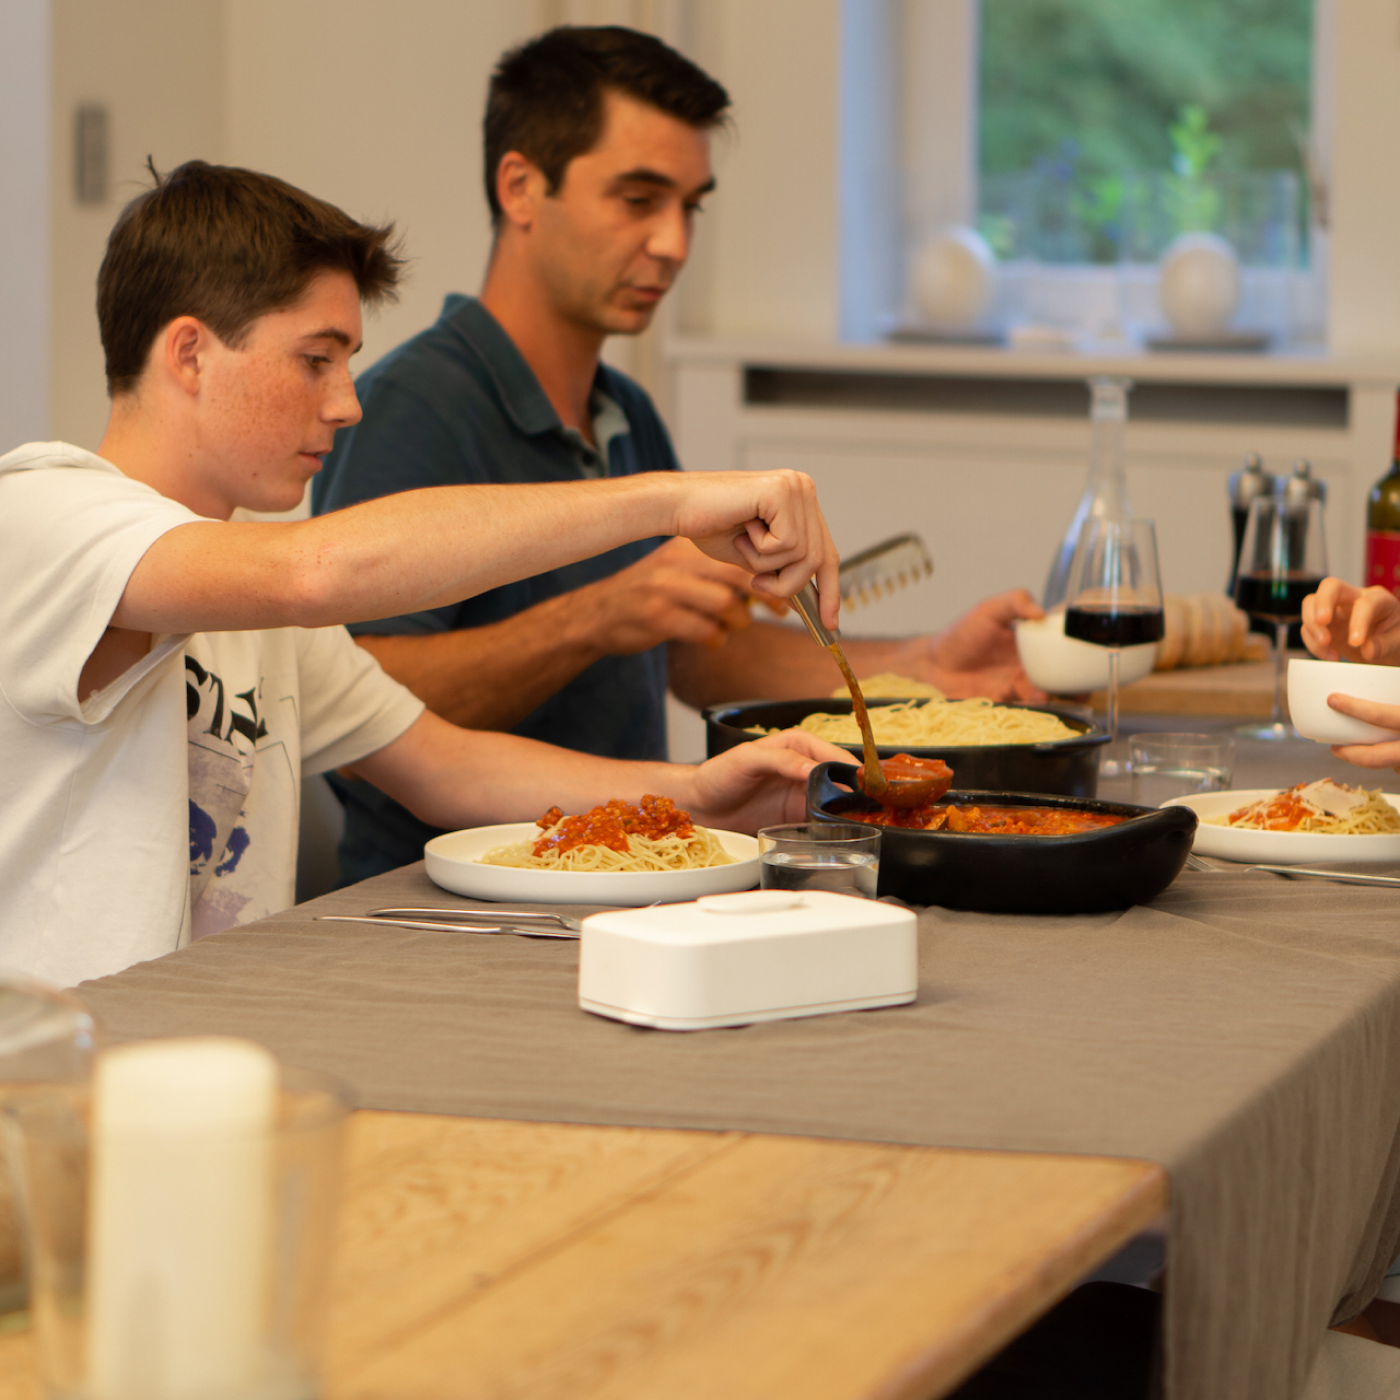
point(180, 1213)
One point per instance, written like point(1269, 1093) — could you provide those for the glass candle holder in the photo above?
point(228, 1280)
point(47, 1037)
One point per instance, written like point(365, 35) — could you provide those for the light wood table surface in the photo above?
point(505, 1259)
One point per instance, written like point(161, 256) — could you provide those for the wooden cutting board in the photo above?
point(1244, 690)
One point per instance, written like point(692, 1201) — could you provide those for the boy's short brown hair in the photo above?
point(546, 97)
point(225, 246)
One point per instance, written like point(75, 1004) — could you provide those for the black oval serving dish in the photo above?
point(1089, 873)
point(1068, 767)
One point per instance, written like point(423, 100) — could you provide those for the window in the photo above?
point(1091, 135)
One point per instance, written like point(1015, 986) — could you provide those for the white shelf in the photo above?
point(1303, 367)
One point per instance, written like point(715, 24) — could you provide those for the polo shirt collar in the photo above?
point(520, 394)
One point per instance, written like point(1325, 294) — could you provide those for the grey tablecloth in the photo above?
point(1243, 1030)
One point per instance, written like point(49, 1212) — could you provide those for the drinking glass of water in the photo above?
point(836, 856)
point(1177, 765)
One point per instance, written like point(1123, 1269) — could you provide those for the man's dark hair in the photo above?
point(547, 97)
point(225, 246)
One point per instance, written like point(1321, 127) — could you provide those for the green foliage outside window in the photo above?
point(1083, 95)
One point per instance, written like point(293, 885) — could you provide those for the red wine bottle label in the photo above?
point(1383, 559)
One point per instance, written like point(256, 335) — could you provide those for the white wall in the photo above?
point(377, 109)
point(767, 254)
point(157, 66)
point(1364, 259)
point(24, 233)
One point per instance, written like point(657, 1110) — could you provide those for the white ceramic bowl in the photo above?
point(1311, 682)
point(1062, 665)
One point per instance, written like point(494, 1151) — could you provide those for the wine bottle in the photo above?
point(1383, 524)
point(1106, 492)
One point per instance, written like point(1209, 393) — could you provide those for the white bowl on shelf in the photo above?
point(1062, 665)
point(1311, 682)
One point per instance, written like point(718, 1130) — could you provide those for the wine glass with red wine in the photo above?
point(1115, 601)
point(1283, 558)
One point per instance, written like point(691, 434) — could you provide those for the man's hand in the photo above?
point(1344, 622)
point(759, 784)
point(782, 539)
point(977, 654)
point(675, 594)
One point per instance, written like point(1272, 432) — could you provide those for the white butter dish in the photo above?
point(732, 959)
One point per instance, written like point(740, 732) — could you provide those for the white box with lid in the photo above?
point(732, 959)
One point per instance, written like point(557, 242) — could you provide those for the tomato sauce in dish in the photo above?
point(991, 821)
point(611, 824)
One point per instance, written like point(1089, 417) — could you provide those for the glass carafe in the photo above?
point(1106, 491)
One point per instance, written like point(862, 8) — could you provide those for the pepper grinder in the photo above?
point(1298, 490)
point(1251, 481)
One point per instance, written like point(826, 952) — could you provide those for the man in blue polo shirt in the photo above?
point(597, 159)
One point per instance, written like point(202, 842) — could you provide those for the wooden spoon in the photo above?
point(918, 780)
point(910, 781)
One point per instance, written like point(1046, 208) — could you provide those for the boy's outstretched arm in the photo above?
point(423, 549)
point(454, 778)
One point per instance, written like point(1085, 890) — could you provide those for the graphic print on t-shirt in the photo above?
point(228, 738)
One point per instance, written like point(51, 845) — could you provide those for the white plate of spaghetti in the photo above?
point(1353, 831)
point(523, 860)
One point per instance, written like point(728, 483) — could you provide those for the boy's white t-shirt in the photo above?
point(201, 746)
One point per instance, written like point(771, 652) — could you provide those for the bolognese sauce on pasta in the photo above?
point(618, 836)
point(1323, 807)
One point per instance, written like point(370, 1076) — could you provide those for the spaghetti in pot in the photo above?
point(942, 724)
point(616, 837)
point(1322, 808)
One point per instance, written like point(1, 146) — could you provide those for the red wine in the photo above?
point(1276, 596)
point(1107, 626)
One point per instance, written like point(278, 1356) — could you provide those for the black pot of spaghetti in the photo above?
point(1064, 767)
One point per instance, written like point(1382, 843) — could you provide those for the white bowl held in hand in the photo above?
point(1062, 665)
point(1311, 682)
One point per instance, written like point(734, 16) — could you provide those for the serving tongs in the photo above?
point(883, 569)
point(527, 923)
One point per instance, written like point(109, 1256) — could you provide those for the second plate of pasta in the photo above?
point(1250, 845)
point(454, 862)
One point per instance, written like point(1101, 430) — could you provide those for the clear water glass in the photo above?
point(1178, 765)
point(843, 858)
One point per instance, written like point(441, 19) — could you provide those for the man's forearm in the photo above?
point(491, 677)
point(770, 662)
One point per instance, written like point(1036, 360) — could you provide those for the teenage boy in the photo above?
point(597, 161)
point(168, 676)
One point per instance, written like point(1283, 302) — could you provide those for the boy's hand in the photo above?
point(766, 522)
point(758, 784)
